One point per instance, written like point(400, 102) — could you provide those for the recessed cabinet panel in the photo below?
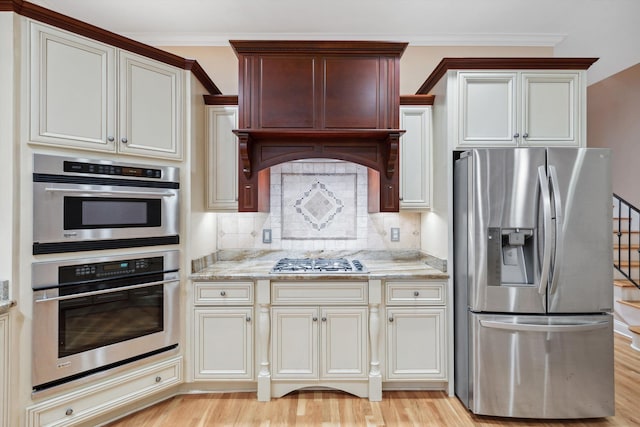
point(287, 96)
point(551, 108)
point(224, 343)
point(343, 342)
point(222, 158)
point(72, 89)
point(352, 93)
point(416, 343)
point(487, 108)
point(415, 158)
point(294, 344)
point(150, 113)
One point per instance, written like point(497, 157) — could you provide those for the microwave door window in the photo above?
point(97, 212)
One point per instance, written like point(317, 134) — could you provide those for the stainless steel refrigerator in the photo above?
point(533, 282)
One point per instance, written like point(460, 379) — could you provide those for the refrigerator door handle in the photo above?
point(546, 208)
point(580, 327)
point(558, 254)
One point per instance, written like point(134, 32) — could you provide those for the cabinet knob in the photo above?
point(110, 139)
point(391, 319)
point(314, 318)
point(525, 135)
point(416, 294)
point(158, 379)
point(324, 319)
point(248, 318)
point(124, 140)
point(223, 293)
point(516, 135)
point(69, 411)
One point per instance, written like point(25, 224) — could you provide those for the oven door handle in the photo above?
point(110, 193)
point(107, 291)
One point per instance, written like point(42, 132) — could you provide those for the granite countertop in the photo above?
point(5, 302)
point(252, 265)
point(5, 305)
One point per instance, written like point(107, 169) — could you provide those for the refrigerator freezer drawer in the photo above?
point(542, 366)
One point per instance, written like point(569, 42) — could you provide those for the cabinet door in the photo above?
point(415, 158)
point(487, 109)
point(551, 109)
point(222, 158)
point(343, 342)
point(72, 90)
point(416, 344)
point(4, 369)
point(150, 107)
point(294, 344)
point(223, 343)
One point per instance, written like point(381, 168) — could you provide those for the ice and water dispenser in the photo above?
point(511, 256)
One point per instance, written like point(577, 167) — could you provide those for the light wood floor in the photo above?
point(402, 408)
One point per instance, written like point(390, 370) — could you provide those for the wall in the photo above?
point(613, 109)
point(318, 205)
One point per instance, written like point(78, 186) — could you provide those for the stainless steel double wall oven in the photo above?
point(94, 313)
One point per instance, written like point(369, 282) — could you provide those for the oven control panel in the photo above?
point(109, 269)
point(111, 169)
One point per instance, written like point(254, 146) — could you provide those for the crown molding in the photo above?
point(470, 39)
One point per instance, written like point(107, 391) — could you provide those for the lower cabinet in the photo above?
point(224, 343)
point(86, 403)
point(319, 343)
point(4, 370)
point(223, 331)
point(416, 343)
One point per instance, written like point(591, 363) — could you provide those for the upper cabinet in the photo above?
point(415, 157)
point(222, 158)
point(520, 108)
point(510, 102)
point(90, 95)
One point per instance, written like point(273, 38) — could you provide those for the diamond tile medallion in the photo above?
point(319, 206)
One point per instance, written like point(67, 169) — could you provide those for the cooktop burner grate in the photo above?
point(318, 265)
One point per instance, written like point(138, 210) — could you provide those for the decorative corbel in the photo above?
point(393, 146)
point(244, 140)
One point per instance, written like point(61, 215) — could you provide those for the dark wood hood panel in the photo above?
point(318, 99)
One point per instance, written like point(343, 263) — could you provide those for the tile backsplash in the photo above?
point(318, 204)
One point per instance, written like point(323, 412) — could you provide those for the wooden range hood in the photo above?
point(318, 99)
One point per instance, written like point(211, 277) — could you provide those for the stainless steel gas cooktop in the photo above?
point(318, 265)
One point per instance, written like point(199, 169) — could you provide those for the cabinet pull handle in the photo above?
point(525, 135)
point(416, 294)
point(223, 293)
point(124, 140)
point(516, 135)
point(69, 411)
point(314, 318)
point(324, 319)
point(158, 379)
point(248, 318)
point(391, 319)
point(110, 139)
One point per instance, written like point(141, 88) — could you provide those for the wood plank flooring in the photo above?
point(399, 408)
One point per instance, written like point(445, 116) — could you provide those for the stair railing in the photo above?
point(626, 263)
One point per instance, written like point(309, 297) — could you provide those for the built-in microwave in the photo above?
point(82, 204)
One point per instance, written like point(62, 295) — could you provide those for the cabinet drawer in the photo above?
point(86, 403)
point(326, 292)
point(223, 293)
point(415, 293)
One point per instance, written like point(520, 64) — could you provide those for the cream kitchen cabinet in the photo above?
point(223, 331)
point(521, 108)
point(89, 95)
point(319, 343)
point(319, 336)
point(415, 158)
point(222, 158)
point(4, 370)
point(84, 404)
point(416, 343)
